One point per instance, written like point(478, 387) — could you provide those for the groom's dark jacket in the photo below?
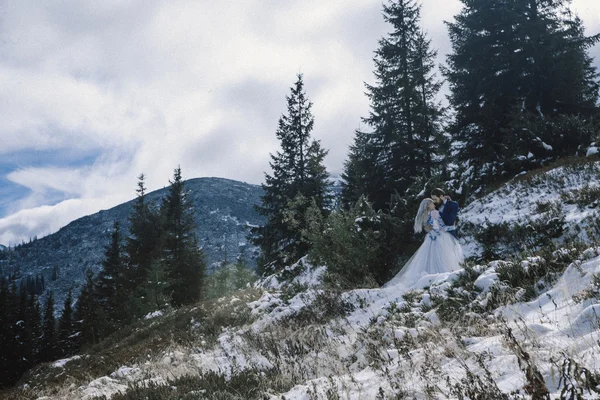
point(449, 214)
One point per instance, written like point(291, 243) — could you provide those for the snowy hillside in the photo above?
point(387, 343)
point(524, 327)
point(570, 193)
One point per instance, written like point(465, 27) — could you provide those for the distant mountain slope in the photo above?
point(224, 211)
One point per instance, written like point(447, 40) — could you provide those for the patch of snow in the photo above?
point(124, 372)
point(592, 151)
point(61, 363)
point(103, 386)
point(154, 314)
point(486, 280)
point(304, 273)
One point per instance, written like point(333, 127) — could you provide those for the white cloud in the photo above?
point(44, 220)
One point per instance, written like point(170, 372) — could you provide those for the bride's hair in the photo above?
point(422, 215)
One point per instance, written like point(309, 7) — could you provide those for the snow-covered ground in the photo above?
point(521, 199)
point(552, 328)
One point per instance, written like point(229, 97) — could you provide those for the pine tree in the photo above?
point(406, 141)
point(6, 331)
point(66, 328)
point(111, 284)
point(155, 288)
point(88, 320)
point(298, 177)
point(34, 330)
point(143, 243)
point(49, 345)
point(184, 260)
point(511, 60)
point(10, 355)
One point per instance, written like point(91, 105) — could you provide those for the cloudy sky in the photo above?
point(92, 93)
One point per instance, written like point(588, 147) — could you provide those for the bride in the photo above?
point(439, 253)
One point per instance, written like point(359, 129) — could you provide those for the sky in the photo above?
point(94, 93)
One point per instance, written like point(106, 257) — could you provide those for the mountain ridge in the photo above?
point(224, 210)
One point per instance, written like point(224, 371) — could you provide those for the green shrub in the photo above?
point(352, 245)
point(228, 279)
point(241, 385)
point(327, 305)
point(587, 196)
point(503, 240)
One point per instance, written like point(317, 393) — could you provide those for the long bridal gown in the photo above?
point(440, 253)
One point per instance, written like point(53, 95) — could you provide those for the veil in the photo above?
point(422, 215)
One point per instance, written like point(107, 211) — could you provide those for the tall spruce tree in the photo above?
point(88, 316)
point(66, 328)
point(299, 177)
point(406, 141)
point(49, 346)
point(11, 348)
point(184, 260)
point(111, 284)
point(6, 332)
point(513, 60)
point(34, 330)
point(143, 242)
point(21, 333)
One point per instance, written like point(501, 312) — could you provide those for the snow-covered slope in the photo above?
point(392, 343)
point(530, 196)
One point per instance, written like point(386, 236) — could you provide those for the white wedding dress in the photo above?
point(440, 253)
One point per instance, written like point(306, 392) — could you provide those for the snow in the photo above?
point(306, 275)
point(520, 198)
point(153, 314)
point(103, 386)
point(592, 151)
point(124, 372)
point(553, 323)
point(486, 280)
point(61, 363)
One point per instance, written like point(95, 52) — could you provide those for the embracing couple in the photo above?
point(440, 252)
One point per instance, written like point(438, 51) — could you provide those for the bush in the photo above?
point(228, 279)
point(242, 385)
point(362, 247)
point(349, 244)
point(504, 239)
point(587, 196)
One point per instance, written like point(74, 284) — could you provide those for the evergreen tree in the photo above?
point(406, 141)
point(50, 339)
point(6, 331)
point(184, 260)
point(66, 328)
point(512, 58)
point(155, 287)
point(88, 314)
point(143, 243)
point(111, 284)
point(360, 174)
point(299, 177)
point(10, 356)
point(34, 330)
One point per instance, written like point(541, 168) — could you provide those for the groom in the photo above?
point(448, 210)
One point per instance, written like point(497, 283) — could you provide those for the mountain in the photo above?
point(224, 211)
